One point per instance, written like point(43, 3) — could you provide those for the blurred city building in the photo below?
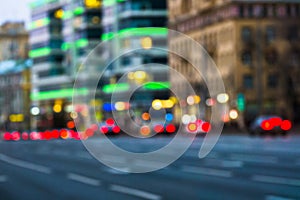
point(140, 26)
point(14, 77)
point(61, 34)
point(255, 45)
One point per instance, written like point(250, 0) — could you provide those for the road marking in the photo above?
point(276, 180)
point(3, 178)
point(224, 163)
point(272, 197)
point(134, 192)
point(83, 179)
point(148, 164)
point(25, 164)
point(206, 171)
point(254, 158)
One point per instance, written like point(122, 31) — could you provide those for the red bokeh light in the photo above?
point(170, 128)
point(116, 129)
point(110, 122)
point(266, 125)
point(104, 129)
point(159, 128)
point(7, 136)
point(64, 134)
point(25, 136)
point(15, 136)
point(286, 125)
point(206, 127)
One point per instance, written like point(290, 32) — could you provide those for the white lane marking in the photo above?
point(83, 179)
point(273, 197)
point(276, 180)
point(148, 163)
point(3, 178)
point(25, 164)
point(207, 171)
point(254, 158)
point(231, 164)
point(223, 163)
point(134, 192)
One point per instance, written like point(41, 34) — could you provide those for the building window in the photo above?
point(271, 56)
point(293, 33)
point(273, 81)
point(246, 34)
point(247, 58)
point(248, 81)
point(270, 34)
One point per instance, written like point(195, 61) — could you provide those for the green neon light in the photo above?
point(79, 10)
point(39, 52)
point(83, 42)
point(143, 31)
point(121, 87)
point(136, 32)
point(107, 36)
point(56, 94)
point(68, 14)
point(107, 3)
point(65, 46)
point(39, 23)
point(156, 85)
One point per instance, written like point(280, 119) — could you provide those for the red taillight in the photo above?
point(170, 128)
point(15, 136)
point(266, 125)
point(47, 135)
point(55, 134)
point(64, 134)
point(286, 125)
point(7, 136)
point(104, 129)
point(206, 127)
point(110, 122)
point(116, 129)
point(34, 136)
point(25, 136)
point(159, 128)
point(276, 121)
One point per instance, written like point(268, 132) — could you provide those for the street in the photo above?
point(239, 167)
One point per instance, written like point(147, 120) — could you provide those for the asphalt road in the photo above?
point(239, 167)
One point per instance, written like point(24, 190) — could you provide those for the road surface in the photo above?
point(239, 167)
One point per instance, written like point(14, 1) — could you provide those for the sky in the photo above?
point(14, 10)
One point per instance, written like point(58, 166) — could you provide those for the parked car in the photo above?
point(270, 124)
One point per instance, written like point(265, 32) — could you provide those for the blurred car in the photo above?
point(270, 124)
point(109, 127)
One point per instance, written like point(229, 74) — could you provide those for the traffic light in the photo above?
point(241, 102)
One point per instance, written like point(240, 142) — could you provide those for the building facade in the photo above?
point(255, 45)
point(62, 33)
point(139, 25)
point(14, 77)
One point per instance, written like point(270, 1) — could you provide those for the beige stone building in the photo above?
point(255, 45)
point(13, 41)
